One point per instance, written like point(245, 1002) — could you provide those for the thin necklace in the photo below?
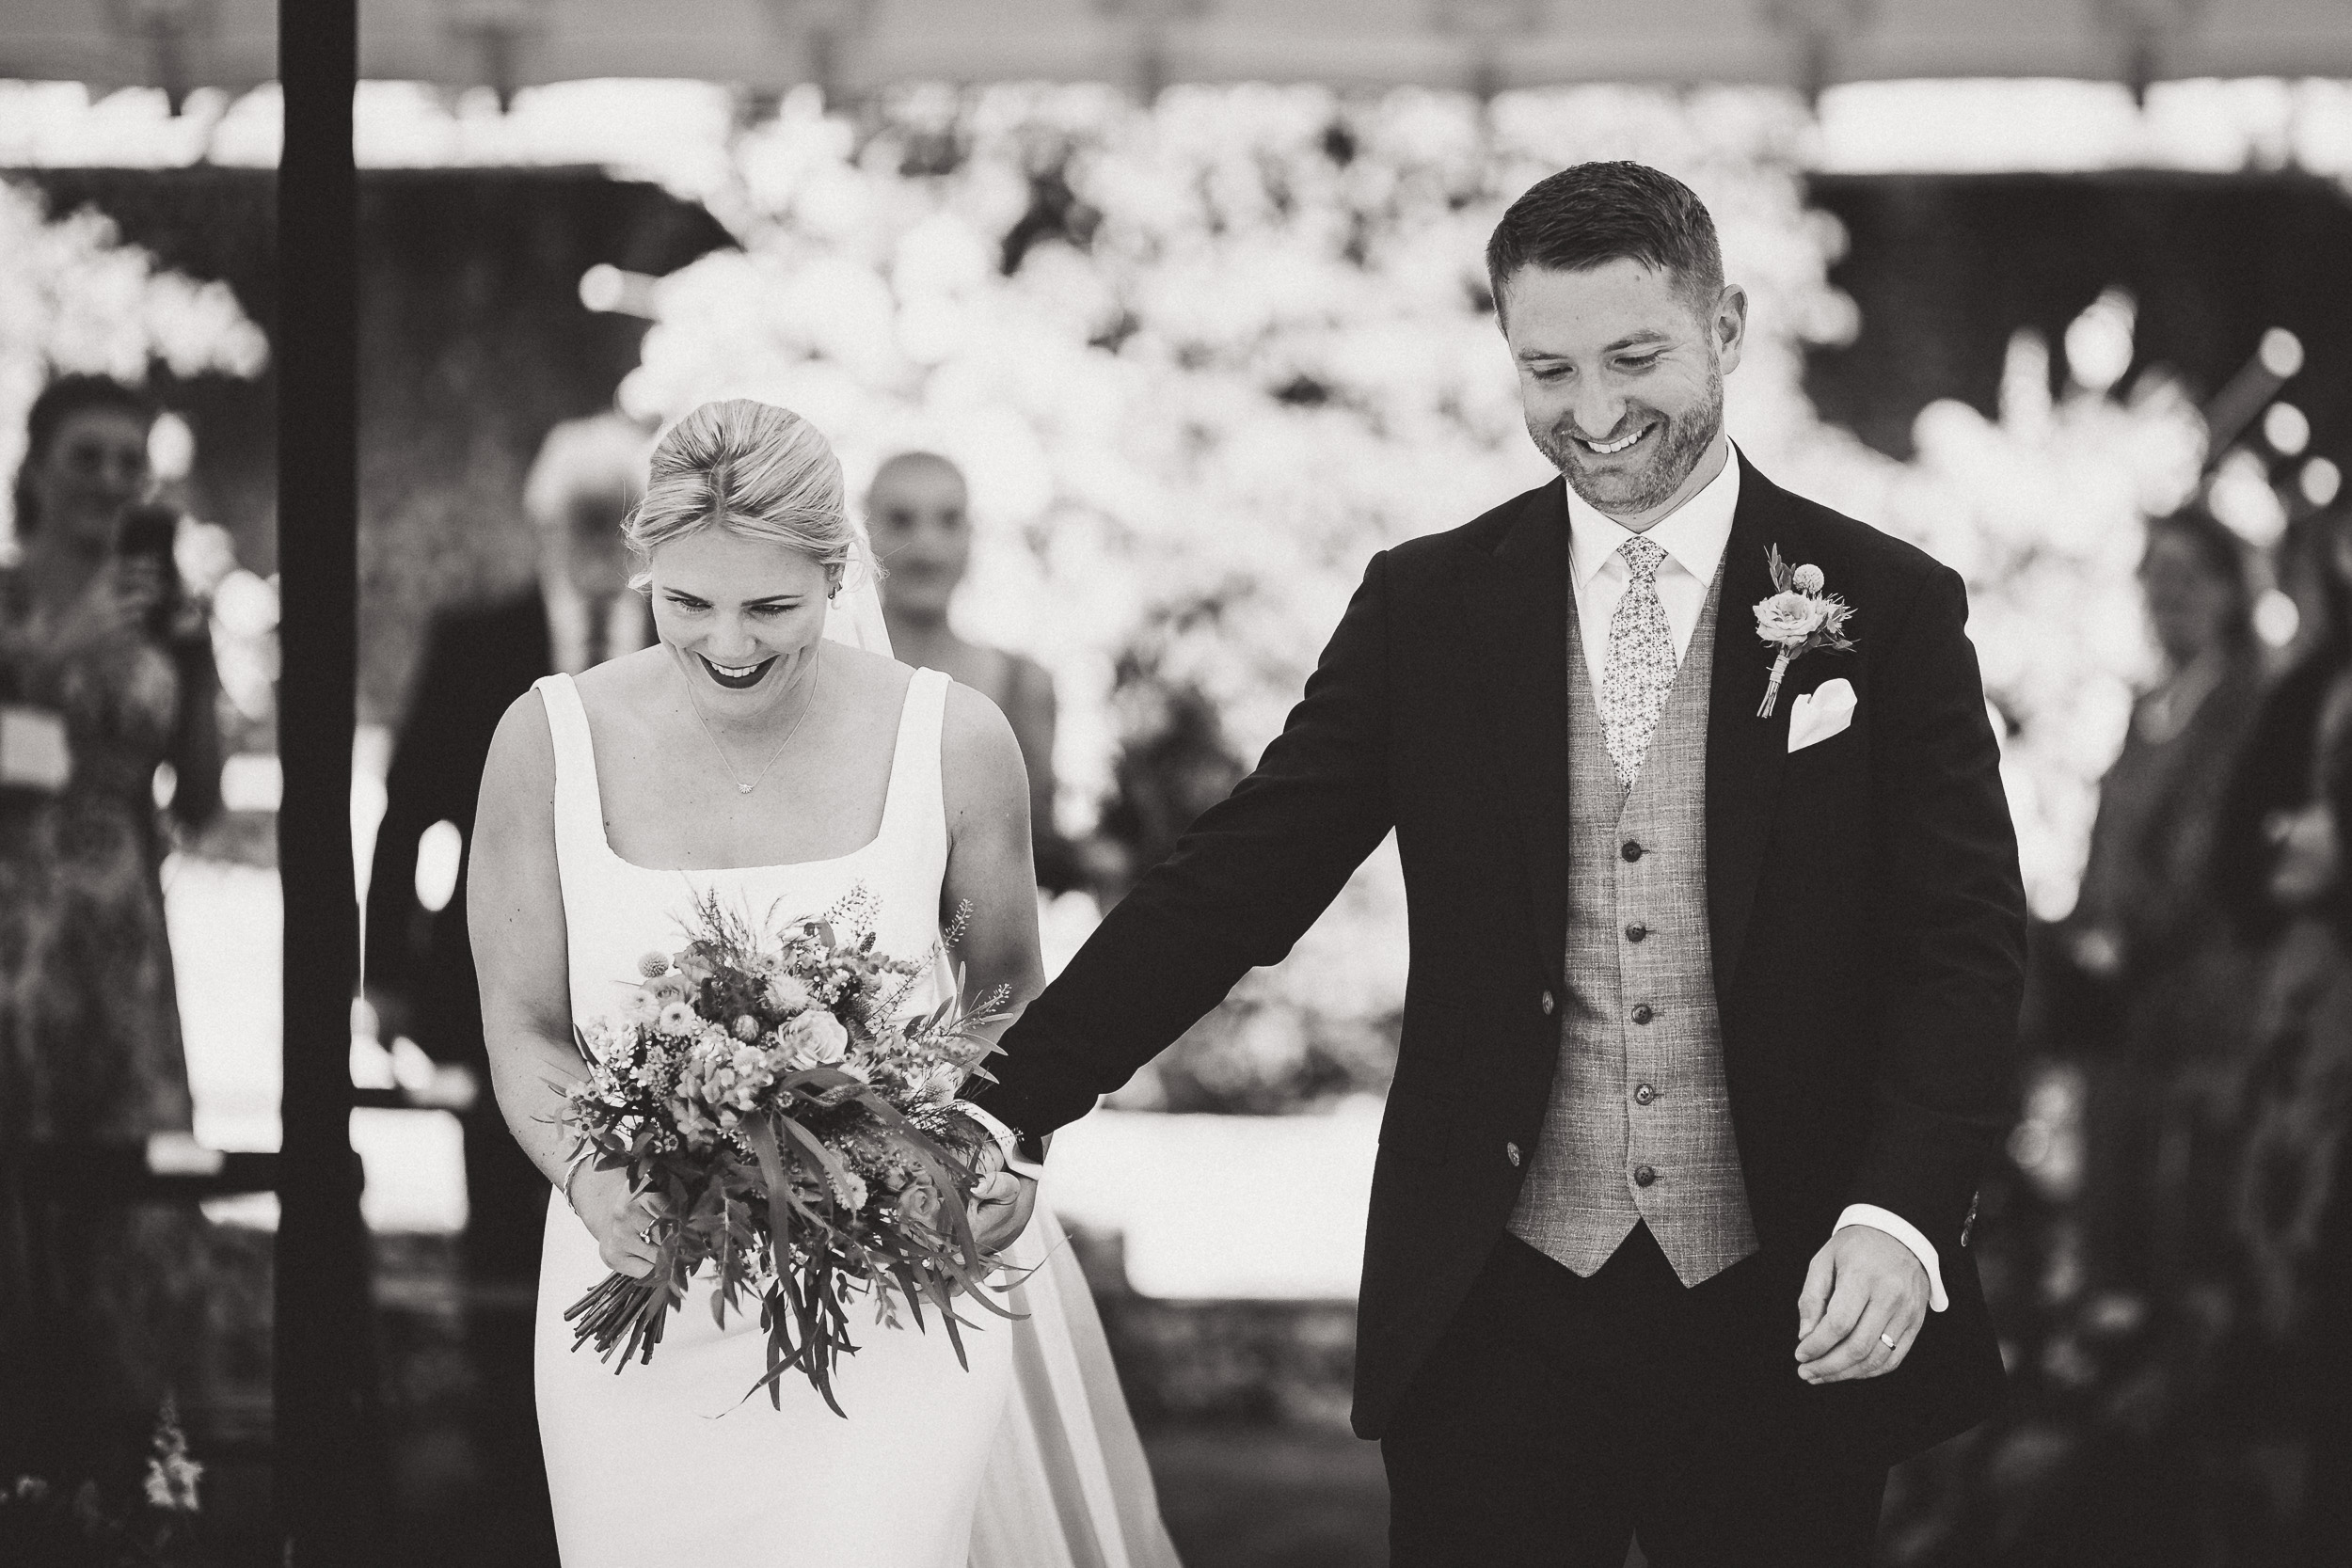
point(740, 787)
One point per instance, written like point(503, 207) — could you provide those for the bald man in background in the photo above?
point(918, 512)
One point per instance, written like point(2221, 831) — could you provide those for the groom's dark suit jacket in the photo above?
point(1867, 913)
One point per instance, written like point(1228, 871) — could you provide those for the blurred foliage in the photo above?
point(1201, 359)
point(73, 297)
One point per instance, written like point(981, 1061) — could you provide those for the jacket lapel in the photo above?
point(1744, 753)
point(1518, 600)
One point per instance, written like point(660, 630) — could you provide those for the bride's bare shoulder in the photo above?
point(519, 772)
point(625, 684)
point(865, 678)
point(979, 756)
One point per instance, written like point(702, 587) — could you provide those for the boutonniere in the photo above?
point(1797, 619)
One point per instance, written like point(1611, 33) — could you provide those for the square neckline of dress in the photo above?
point(604, 839)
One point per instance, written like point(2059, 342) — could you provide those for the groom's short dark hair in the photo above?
point(1591, 214)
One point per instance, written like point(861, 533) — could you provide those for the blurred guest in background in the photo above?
point(2294, 1222)
point(2167, 1030)
point(918, 514)
point(477, 661)
point(105, 677)
point(419, 962)
point(2276, 780)
point(1174, 761)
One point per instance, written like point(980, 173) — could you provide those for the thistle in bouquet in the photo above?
point(794, 1133)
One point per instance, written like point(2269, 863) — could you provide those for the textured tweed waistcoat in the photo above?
point(1639, 1127)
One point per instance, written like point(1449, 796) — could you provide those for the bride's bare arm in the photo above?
point(989, 862)
point(515, 914)
point(990, 867)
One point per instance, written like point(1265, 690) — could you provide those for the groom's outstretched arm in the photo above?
point(1241, 887)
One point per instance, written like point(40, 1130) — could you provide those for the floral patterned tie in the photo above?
point(1642, 660)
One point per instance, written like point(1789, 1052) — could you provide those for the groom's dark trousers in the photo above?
point(1557, 1415)
point(1865, 926)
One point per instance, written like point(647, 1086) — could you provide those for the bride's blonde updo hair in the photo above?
point(758, 470)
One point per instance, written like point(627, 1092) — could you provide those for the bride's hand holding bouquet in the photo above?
point(616, 1214)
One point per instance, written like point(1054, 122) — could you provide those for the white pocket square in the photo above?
point(1820, 713)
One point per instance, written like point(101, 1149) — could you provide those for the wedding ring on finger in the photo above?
point(1888, 1339)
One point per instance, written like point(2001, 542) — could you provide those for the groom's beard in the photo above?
point(1674, 451)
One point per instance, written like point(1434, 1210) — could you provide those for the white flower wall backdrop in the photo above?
point(1201, 359)
point(74, 298)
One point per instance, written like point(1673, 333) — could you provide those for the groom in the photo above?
point(1711, 1010)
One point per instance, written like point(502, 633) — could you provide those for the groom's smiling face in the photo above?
point(1621, 374)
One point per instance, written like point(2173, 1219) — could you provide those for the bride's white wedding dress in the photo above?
point(1025, 1460)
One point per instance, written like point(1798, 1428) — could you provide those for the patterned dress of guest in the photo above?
point(107, 1302)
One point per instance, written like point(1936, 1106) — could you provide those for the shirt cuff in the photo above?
point(1907, 1233)
point(1008, 1140)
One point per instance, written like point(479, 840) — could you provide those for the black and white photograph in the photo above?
point(1175, 783)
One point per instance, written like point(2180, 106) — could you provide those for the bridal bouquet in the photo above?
point(797, 1135)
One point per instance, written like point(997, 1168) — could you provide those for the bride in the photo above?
point(768, 749)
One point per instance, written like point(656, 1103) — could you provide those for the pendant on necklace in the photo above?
point(746, 788)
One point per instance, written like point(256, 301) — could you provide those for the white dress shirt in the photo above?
point(1694, 536)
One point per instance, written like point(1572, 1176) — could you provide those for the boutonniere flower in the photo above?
point(1797, 619)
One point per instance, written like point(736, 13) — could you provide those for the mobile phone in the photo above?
point(147, 534)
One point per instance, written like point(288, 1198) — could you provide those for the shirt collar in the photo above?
point(1693, 536)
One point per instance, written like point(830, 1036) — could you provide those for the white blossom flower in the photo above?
point(850, 1188)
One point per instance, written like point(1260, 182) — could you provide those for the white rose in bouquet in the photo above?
point(815, 1039)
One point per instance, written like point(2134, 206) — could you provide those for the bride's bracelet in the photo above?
point(572, 1170)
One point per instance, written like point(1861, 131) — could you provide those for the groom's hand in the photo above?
point(1864, 1300)
point(1001, 1204)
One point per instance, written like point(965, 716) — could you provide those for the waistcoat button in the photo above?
point(1643, 1094)
point(1636, 933)
point(1643, 1014)
point(1631, 851)
point(1511, 1152)
point(1548, 1004)
point(1644, 1175)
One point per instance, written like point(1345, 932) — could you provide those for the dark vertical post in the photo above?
point(330, 1481)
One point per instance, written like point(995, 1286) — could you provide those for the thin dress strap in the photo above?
point(917, 800)
point(579, 804)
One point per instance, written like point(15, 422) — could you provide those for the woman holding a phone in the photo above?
point(105, 674)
